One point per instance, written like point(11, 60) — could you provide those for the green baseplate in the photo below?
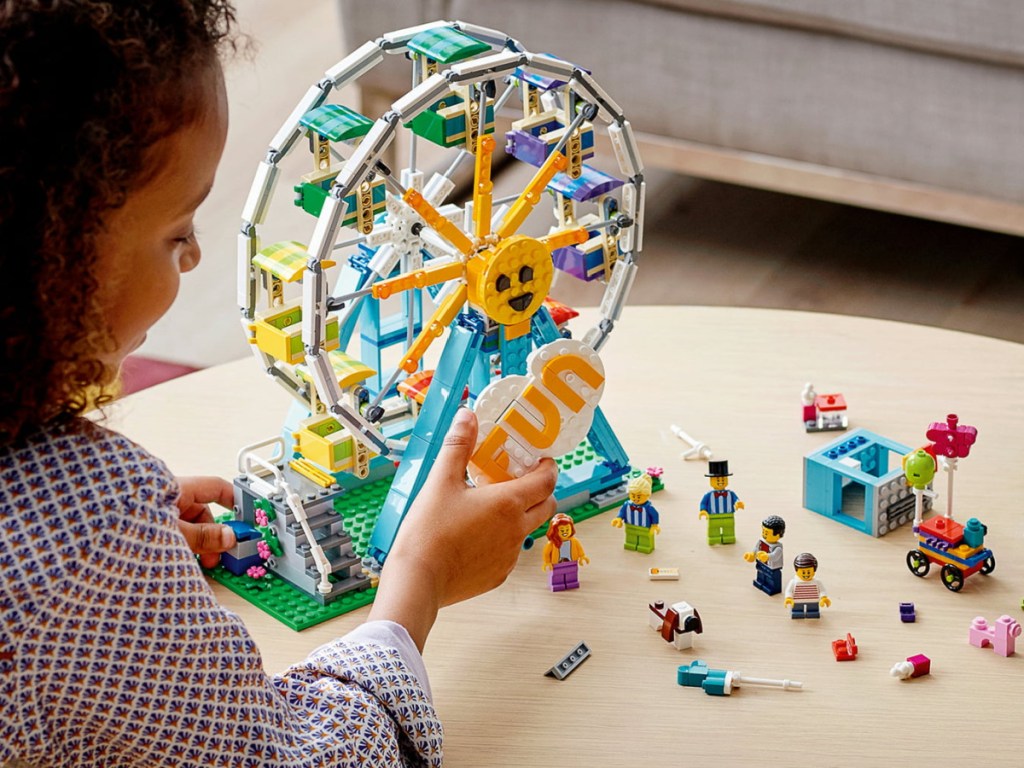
point(359, 507)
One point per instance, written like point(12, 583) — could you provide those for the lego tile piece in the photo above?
point(663, 574)
point(568, 665)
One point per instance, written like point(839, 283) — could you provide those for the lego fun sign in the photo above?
point(546, 413)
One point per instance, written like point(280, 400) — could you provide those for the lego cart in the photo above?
point(958, 549)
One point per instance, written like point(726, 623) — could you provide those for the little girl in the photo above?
point(113, 650)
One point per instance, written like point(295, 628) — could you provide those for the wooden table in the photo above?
point(731, 378)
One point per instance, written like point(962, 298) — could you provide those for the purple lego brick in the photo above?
point(526, 147)
point(591, 183)
point(579, 264)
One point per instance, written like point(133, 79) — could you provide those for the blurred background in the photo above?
point(706, 241)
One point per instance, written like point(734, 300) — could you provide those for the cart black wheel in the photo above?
point(918, 563)
point(989, 565)
point(953, 578)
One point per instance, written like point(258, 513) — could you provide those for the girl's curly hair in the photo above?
point(86, 87)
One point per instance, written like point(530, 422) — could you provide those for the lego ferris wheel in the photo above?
point(397, 263)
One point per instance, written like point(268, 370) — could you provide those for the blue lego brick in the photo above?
point(513, 354)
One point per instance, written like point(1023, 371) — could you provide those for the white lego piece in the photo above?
point(323, 565)
point(412, 179)
point(609, 109)
point(256, 204)
point(248, 247)
point(323, 377)
point(614, 299)
point(625, 148)
point(290, 130)
point(570, 395)
point(366, 155)
point(595, 337)
point(356, 64)
point(735, 680)
point(903, 670)
point(550, 65)
point(437, 189)
point(400, 37)
point(385, 259)
point(380, 235)
point(421, 97)
point(314, 308)
point(633, 202)
point(492, 37)
point(325, 233)
point(486, 67)
point(436, 244)
point(698, 450)
point(663, 574)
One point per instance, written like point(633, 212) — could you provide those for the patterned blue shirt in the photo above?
point(719, 503)
point(114, 651)
point(641, 515)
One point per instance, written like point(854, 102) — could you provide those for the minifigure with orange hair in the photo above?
point(563, 554)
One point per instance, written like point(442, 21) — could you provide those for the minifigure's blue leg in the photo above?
point(439, 407)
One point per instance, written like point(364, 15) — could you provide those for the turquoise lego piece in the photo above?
point(438, 410)
point(850, 481)
point(692, 674)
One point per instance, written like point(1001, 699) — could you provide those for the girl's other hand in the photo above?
point(205, 537)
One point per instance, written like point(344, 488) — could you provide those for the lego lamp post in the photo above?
point(952, 441)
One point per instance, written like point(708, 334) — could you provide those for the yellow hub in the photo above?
point(510, 281)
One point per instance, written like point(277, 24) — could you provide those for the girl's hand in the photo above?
point(456, 541)
point(206, 538)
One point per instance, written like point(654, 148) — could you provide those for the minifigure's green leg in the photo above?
point(639, 539)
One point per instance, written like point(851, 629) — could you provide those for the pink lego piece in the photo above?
point(922, 664)
point(1001, 636)
point(952, 439)
point(915, 666)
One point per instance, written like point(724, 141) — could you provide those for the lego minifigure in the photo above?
point(804, 593)
point(767, 556)
point(719, 505)
point(563, 554)
point(639, 516)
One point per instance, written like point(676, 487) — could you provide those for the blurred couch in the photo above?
point(912, 106)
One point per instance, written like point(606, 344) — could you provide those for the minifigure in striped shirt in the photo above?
point(638, 516)
point(804, 593)
point(719, 505)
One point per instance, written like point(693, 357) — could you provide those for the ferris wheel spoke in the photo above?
point(434, 328)
point(482, 187)
point(420, 278)
point(530, 195)
point(574, 236)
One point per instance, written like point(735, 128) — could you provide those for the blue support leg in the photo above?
point(443, 399)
